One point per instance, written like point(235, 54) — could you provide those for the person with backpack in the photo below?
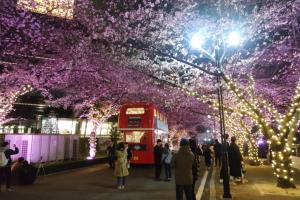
point(5, 163)
point(166, 161)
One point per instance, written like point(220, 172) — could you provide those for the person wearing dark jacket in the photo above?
point(129, 154)
point(218, 153)
point(224, 156)
point(183, 162)
point(111, 151)
point(5, 171)
point(207, 156)
point(158, 159)
point(235, 160)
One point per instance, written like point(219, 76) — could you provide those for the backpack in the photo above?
point(3, 159)
point(167, 157)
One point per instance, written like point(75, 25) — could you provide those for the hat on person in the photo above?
point(184, 142)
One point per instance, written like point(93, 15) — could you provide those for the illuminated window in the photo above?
point(21, 129)
point(135, 111)
point(66, 126)
point(101, 130)
point(58, 8)
point(135, 136)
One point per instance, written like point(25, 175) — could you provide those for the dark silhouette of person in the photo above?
point(207, 156)
point(224, 156)
point(158, 150)
point(183, 162)
point(111, 151)
point(235, 160)
point(218, 153)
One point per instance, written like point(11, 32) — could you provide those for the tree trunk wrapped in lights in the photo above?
point(281, 141)
point(243, 134)
point(98, 114)
point(253, 148)
point(93, 144)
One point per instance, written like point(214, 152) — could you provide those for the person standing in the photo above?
point(166, 161)
point(235, 160)
point(207, 155)
point(111, 154)
point(121, 170)
point(218, 153)
point(224, 157)
point(183, 162)
point(5, 169)
point(157, 159)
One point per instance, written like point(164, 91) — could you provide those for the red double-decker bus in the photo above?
point(141, 125)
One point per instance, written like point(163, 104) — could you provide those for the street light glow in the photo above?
point(234, 38)
point(197, 41)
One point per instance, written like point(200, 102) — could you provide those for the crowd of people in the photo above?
point(185, 162)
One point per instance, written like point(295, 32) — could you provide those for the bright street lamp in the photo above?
point(234, 38)
point(219, 47)
point(197, 41)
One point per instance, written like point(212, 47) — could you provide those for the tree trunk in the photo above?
point(93, 142)
point(282, 166)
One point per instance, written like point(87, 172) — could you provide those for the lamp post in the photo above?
point(219, 48)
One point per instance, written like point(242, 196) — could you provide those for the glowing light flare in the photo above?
point(234, 38)
point(197, 41)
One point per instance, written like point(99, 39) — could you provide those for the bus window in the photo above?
point(135, 111)
point(137, 147)
point(134, 121)
point(136, 137)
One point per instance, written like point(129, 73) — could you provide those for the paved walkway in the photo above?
point(98, 183)
point(261, 185)
point(94, 183)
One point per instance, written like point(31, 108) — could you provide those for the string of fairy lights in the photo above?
point(281, 141)
point(253, 148)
